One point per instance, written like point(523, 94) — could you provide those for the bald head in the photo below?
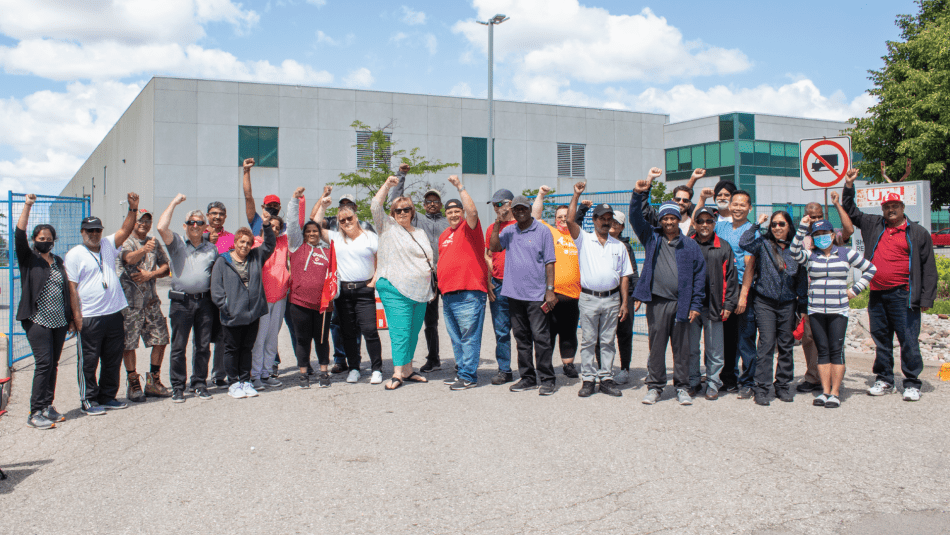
point(814, 210)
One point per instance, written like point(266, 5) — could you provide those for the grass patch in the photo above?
point(941, 306)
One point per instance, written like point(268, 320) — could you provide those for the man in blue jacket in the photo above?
point(673, 287)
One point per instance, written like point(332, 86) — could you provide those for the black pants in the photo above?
point(357, 312)
point(564, 320)
point(191, 316)
point(238, 347)
point(101, 344)
point(311, 326)
point(218, 370)
point(432, 329)
point(624, 340)
point(730, 346)
point(664, 329)
point(47, 346)
point(531, 328)
point(775, 322)
point(828, 331)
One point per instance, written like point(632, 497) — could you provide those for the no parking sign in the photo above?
point(825, 161)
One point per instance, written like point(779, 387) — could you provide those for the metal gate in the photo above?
point(65, 214)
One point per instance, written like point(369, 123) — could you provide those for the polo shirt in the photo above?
point(497, 259)
point(726, 232)
point(567, 271)
point(602, 266)
point(892, 259)
point(462, 265)
point(191, 266)
point(100, 292)
point(225, 241)
point(527, 251)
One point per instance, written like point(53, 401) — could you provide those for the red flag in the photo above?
point(330, 282)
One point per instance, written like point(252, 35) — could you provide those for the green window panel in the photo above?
point(778, 149)
point(699, 157)
point(762, 147)
point(685, 159)
point(728, 178)
point(746, 180)
point(728, 151)
point(791, 156)
point(747, 169)
point(747, 147)
point(267, 147)
point(258, 142)
point(712, 155)
point(745, 126)
point(762, 153)
point(793, 173)
point(475, 155)
point(672, 162)
point(727, 129)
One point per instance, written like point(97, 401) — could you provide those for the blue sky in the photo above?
point(70, 68)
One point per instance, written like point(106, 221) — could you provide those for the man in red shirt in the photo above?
point(463, 283)
point(904, 285)
point(498, 304)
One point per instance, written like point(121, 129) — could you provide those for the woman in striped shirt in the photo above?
point(828, 295)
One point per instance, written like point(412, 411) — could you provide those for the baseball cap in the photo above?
point(820, 226)
point(91, 223)
point(891, 197)
point(520, 200)
point(602, 209)
point(454, 203)
point(708, 210)
point(143, 212)
point(501, 195)
point(272, 199)
point(620, 218)
point(435, 192)
point(348, 197)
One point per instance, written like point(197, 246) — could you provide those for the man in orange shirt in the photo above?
point(567, 283)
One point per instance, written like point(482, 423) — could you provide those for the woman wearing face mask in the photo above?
point(404, 270)
point(780, 291)
point(276, 279)
point(828, 296)
point(567, 283)
point(45, 312)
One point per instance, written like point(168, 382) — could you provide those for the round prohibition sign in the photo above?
point(838, 176)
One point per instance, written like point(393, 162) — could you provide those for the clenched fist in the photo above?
point(298, 193)
point(654, 173)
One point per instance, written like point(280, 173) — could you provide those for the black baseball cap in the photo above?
point(91, 223)
point(602, 209)
point(708, 210)
point(454, 203)
point(501, 195)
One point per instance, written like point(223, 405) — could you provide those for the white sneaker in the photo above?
point(353, 377)
point(682, 396)
point(249, 391)
point(880, 388)
point(911, 394)
point(622, 377)
point(376, 378)
point(236, 391)
point(652, 397)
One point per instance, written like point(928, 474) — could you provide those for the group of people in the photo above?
point(709, 274)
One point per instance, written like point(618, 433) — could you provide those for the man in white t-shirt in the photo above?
point(97, 302)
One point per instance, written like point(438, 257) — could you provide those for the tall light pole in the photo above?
point(497, 19)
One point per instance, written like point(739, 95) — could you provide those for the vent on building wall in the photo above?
point(366, 157)
point(570, 160)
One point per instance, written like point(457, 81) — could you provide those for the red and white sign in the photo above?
point(824, 161)
point(871, 197)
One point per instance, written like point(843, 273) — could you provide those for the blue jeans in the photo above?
point(501, 322)
point(464, 317)
point(889, 313)
point(746, 347)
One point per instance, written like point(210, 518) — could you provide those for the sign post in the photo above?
point(824, 162)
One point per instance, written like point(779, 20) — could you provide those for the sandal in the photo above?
point(393, 381)
point(416, 378)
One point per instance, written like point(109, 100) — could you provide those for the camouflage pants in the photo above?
point(147, 323)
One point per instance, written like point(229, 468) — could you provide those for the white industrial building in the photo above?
point(189, 136)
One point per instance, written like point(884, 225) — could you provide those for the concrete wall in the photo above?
point(693, 132)
point(792, 129)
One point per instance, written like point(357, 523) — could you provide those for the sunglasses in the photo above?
point(779, 224)
point(681, 199)
point(194, 223)
point(499, 204)
point(402, 210)
point(347, 219)
point(432, 201)
point(706, 221)
point(93, 231)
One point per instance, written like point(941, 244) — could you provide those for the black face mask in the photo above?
point(272, 211)
point(43, 247)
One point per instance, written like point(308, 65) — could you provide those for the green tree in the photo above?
point(912, 116)
point(658, 194)
point(372, 173)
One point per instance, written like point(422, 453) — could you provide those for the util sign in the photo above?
point(871, 197)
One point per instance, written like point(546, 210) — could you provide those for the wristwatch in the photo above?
point(131, 209)
point(550, 287)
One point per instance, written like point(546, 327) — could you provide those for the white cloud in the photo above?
point(461, 89)
point(360, 78)
point(399, 37)
point(412, 17)
point(565, 38)
point(432, 44)
point(318, 3)
point(324, 38)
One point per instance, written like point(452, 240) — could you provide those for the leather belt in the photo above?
point(353, 285)
point(608, 293)
point(197, 297)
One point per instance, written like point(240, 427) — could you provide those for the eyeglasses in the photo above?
point(216, 214)
point(432, 201)
point(706, 221)
point(681, 199)
point(93, 231)
point(347, 219)
point(779, 224)
point(194, 223)
point(499, 204)
point(402, 210)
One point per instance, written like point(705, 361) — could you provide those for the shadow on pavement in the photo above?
point(17, 472)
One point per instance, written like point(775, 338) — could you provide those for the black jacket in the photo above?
point(722, 280)
point(239, 304)
point(923, 266)
point(33, 274)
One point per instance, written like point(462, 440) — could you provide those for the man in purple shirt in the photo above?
point(529, 287)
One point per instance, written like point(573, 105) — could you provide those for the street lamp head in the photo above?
point(498, 19)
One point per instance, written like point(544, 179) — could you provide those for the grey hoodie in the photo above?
point(239, 304)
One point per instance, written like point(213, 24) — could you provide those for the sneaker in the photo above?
point(272, 382)
point(450, 382)
point(353, 377)
point(784, 395)
point(462, 384)
point(431, 366)
point(178, 395)
point(50, 414)
point(832, 402)
point(745, 392)
point(337, 368)
point(258, 384)
point(911, 394)
point(712, 393)
point(587, 389)
point(652, 397)
point(113, 404)
point(220, 383)
point(607, 386)
point(249, 390)
point(134, 391)
point(37, 420)
point(806, 386)
point(94, 409)
point(236, 391)
point(547, 389)
point(683, 397)
point(622, 377)
point(202, 393)
point(154, 387)
point(880, 388)
point(376, 378)
point(761, 399)
point(501, 378)
point(570, 371)
point(731, 389)
point(820, 400)
point(324, 379)
point(303, 381)
point(523, 385)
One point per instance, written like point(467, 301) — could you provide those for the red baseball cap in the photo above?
point(271, 199)
point(891, 197)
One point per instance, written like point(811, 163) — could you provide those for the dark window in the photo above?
point(762, 153)
point(745, 126)
point(727, 129)
point(475, 155)
point(366, 153)
point(258, 142)
point(570, 160)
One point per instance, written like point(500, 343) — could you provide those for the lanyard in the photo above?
point(99, 263)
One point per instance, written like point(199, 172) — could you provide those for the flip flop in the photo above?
point(416, 378)
point(393, 380)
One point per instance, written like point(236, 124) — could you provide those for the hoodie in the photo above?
point(239, 304)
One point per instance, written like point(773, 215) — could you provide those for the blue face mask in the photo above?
point(823, 241)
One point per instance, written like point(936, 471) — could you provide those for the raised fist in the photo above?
point(707, 193)
point(404, 167)
point(642, 186)
point(806, 221)
point(392, 181)
point(455, 181)
point(579, 187)
point(133, 201)
point(180, 198)
point(326, 201)
point(327, 190)
point(698, 173)
point(654, 173)
point(834, 197)
point(587, 202)
point(298, 193)
point(248, 164)
point(850, 176)
point(544, 190)
point(30, 199)
point(763, 218)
